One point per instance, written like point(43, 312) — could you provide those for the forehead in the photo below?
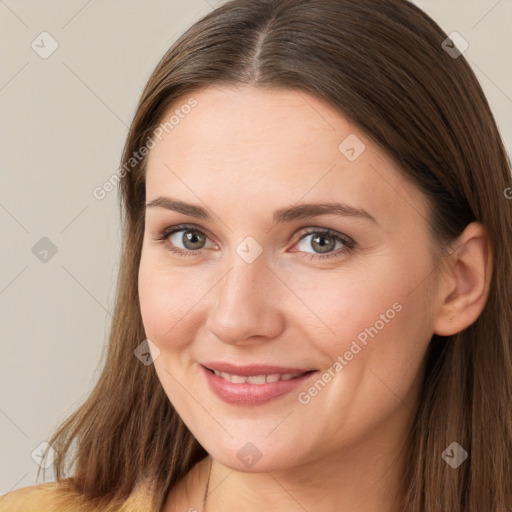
point(264, 148)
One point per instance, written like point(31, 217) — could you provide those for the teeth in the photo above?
point(255, 379)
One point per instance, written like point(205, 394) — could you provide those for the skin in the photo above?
point(242, 153)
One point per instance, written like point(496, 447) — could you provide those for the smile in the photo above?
point(255, 389)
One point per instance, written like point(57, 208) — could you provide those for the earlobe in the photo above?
point(467, 282)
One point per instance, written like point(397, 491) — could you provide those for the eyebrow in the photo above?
point(287, 214)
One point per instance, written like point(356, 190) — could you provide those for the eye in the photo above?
point(192, 239)
point(325, 241)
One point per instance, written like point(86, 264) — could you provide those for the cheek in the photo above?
point(374, 354)
point(171, 301)
point(380, 315)
point(160, 304)
point(346, 305)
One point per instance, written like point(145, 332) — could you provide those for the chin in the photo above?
point(254, 457)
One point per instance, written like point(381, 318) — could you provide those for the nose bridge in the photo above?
point(245, 280)
point(243, 306)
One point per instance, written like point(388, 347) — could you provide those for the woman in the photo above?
point(313, 307)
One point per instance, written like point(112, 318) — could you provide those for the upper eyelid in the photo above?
point(184, 227)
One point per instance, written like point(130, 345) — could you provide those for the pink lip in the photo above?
point(246, 394)
point(253, 369)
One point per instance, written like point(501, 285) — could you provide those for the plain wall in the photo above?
point(64, 120)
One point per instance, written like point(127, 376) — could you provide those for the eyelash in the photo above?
point(350, 245)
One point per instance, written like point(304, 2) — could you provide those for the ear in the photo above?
point(465, 282)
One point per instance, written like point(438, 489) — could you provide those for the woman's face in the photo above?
point(352, 304)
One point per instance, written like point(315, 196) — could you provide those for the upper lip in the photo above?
point(253, 369)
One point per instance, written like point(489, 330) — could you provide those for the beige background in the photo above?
point(63, 124)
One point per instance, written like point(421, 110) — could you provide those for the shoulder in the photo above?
point(61, 497)
point(46, 497)
point(28, 498)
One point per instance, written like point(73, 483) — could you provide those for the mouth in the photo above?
point(253, 385)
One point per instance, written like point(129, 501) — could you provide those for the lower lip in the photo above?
point(247, 394)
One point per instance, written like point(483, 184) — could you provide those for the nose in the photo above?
point(247, 304)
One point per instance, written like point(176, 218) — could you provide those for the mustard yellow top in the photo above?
point(55, 497)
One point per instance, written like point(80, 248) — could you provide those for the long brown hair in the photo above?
point(382, 65)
